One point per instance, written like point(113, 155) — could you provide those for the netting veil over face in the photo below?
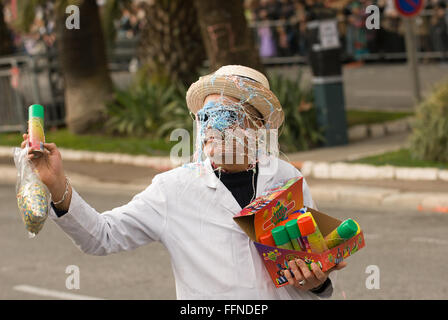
point(236, 117)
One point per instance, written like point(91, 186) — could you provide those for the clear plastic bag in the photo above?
point(33, 197)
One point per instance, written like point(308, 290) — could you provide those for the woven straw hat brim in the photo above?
point(243, 89)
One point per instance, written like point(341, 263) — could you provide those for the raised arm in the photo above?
point(124, 228)
point(140, 221)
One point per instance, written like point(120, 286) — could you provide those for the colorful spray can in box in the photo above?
point(359, 228)
point(36, 137)
point(308, 228)
point(343, 232)
point(294, 234)
point(267, 239)
point(281, 238)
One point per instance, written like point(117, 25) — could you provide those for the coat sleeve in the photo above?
point(137, 223)
point(307, 198)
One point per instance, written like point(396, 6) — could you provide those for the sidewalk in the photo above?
point(427, 196)
point(352, 151)
point(329, 163)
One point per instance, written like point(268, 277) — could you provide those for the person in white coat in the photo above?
point(190, 209)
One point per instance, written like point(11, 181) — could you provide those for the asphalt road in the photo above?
point(385, 87)
point(408, 248)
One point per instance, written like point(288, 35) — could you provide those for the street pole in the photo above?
point(328, 86)
point(411, 53)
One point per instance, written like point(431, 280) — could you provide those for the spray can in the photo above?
point(343, 232)
point(281, 238)
point(305, 238)
point(294, 235)
point(359, 228)
point(309, 229)
point(267, 240)
point(36, 137)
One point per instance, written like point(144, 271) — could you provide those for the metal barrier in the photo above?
point(26, 80)
point(11, 105)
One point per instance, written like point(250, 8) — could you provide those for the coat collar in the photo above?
point(224, 196)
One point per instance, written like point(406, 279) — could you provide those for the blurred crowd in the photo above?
point(131, 22)
point(40, 38)
point(280, 26)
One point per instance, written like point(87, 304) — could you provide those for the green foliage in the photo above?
point(149, 108)
point(300, 130)
point(429, 140)
point(96, 142)
point(356, 117)
point(400, 158)
point(26, 12)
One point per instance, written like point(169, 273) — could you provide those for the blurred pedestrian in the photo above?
point(439, 33)
point(268, 46)
point(282, 44)
point(357, 20)
point(301, 28)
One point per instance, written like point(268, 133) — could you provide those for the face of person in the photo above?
point(227, 129)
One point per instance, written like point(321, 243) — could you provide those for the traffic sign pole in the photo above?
point(411, 53)
point(408, 9)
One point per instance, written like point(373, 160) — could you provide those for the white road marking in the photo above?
point(52, 293)
point(430, 240)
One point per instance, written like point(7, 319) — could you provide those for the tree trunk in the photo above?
point(83, 62)
point(170, 42)
point(226, 35)
point(6, 46)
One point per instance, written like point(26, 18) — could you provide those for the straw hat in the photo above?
point(243, 83)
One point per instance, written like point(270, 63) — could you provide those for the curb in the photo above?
point(348, 171)
point(376, 130)
point(317, 170)
point(427, 202)
point(158, 163)
point(385, 197)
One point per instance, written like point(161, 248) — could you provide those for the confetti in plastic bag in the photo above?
point(33, 196)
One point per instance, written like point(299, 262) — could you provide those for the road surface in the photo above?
point(408, 248)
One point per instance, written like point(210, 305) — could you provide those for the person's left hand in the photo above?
point(305, 279)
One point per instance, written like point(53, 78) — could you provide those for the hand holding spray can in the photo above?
point(36, 137)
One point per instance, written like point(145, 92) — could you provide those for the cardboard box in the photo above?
point(276, 207)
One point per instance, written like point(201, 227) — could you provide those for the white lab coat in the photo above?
point(191, 215)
